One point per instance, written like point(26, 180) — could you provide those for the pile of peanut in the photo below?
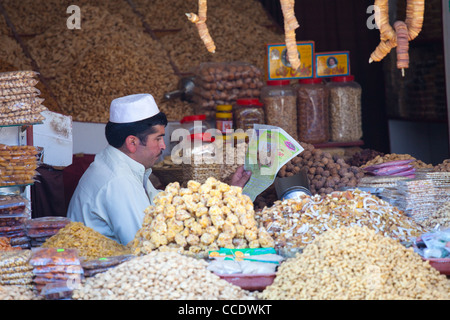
point(233, 158)
point(238, 28)
point(175, 18)
point(159, 276)
point(355, 263)
point(200, 218)
point(17, 164)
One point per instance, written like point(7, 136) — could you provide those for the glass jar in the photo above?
point(279, 100)
point(224, 117)
point(312, 111)
point(248, 112)
point(190, 122)
point(345, 109)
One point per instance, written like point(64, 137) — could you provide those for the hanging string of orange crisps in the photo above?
point(200, 23)
point(290, 24)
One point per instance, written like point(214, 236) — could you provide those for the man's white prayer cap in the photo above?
point(133, 108)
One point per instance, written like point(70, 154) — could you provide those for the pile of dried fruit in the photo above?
point(15, 268)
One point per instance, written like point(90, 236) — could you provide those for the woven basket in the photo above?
point(168, 175)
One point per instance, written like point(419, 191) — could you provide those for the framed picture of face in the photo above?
point(278, 66)
point(331, 64)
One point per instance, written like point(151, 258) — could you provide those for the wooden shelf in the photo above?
point(330, 144)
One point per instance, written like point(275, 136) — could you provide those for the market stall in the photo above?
point(328, 219)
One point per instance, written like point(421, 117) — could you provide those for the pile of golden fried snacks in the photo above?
point(356, 263)
point(294, 223)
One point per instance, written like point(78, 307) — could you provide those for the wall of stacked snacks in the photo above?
point(374, 226)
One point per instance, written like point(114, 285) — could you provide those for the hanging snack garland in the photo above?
point(200, 23)
point(402, 32)
point(290, 24)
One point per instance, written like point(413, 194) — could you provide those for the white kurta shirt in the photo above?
point(112, 195)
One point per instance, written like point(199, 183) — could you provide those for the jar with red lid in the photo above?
point(190, 122)
point(312, 111)
point(248, 112)
point(224, 117)
point(279, 100)
point(345, 109)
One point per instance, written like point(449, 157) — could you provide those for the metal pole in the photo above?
point(446, 34)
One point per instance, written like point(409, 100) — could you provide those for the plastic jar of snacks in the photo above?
point(248, 112)
point(312, 111)
point(279, 100)
point(201, 158)
point(224, 117)
point(345, 109)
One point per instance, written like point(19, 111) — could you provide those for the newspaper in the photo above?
point(269, 149)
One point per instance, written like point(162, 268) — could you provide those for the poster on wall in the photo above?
point(331, 64)
point(278, 66)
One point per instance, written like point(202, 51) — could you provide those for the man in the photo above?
point(113, 193)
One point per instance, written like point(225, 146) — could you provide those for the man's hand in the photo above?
point(240, 177)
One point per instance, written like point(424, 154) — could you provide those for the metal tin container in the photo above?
point(295, 193)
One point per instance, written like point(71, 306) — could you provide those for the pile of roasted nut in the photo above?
point(324, 173)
